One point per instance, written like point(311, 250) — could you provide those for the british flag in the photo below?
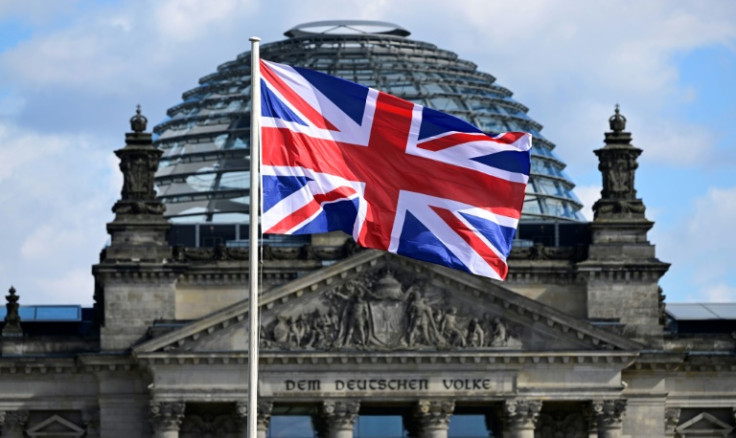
point(395, 175)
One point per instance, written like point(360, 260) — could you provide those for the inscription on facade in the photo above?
point(378, 384)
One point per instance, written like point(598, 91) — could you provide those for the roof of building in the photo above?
point(701, 311)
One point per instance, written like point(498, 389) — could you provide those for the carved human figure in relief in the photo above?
point(297, 331)
point(420, 320)
point(475, 334)
point(356, 321)
point(450, 330)
point(499, 338)
point(281, 330)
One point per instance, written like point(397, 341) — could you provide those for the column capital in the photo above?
point(609, 413)
point(521, 413)
point(166, 416)
point(13, 422)
point(263, 410)
point(434, 414)
point(339, 414)
point(671, 419)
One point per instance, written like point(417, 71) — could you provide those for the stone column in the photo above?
point(520, 417)
point(609, 416)
point(166, 418)
point(671, 419)
point(432, 418)
point(264, 417)
point(337, 418)
point(13, 423)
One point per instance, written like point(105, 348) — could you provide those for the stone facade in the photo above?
point(572, 345)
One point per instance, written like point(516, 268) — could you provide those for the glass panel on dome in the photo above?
point(242, 218)
point(201, 182)
point(220, 141)
point(239, 143)
point(184, 208)
point(193, 219)
point(235, 180)
point(531, 205)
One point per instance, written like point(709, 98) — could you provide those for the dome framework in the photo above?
point(204, 171)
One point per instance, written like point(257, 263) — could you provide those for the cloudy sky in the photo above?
point(72, 71)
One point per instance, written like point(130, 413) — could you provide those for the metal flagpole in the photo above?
point(255, 160)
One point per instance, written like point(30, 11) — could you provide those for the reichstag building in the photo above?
point(579, 342)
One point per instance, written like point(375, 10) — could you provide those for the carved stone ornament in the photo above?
point(13, 422)
point(521, 414)
point(264, 408)
point(617, 121)
point(12, 318)
point(138, 163)
point(433, 414)
point(166, 416)
point(382, 314)
point(618, 168)
point(609, 413)
point(671, 420)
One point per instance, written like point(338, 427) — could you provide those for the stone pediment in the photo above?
point(385, 303)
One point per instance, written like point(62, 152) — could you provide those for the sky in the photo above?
point(72, 72)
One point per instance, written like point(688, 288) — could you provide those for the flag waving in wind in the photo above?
point(395, 175)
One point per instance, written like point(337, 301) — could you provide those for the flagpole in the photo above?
point(255, 160)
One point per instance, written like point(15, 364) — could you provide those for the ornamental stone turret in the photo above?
point(135, 279)
point(622, 270)
point(12, 326)
point(617, 163)
point(139, 229)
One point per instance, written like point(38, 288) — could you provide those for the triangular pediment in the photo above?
point(56, 426)
point(704, 423)
point(381, 302)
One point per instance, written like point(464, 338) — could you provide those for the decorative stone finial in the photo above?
point(138, 121)
point(617, 121)
point(12, 318)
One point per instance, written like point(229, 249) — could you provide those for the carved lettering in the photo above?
point(303, 385)
point(466, 384)
point(382, 385)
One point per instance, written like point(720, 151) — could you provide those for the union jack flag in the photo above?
point(395, 175)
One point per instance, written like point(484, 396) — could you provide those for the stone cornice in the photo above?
point(511, 360)
point(685, 362)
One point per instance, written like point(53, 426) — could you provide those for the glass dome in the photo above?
point(203, 174)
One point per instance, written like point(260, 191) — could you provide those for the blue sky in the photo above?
point(72, 71)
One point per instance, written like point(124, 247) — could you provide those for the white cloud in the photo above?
point(186, 20)
point(56, 195)
point(19, 148)
point(700, 246)
point(718, 293)
point(72, 287)
point(588, 195)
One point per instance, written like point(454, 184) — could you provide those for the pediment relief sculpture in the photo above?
point(383, 314)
